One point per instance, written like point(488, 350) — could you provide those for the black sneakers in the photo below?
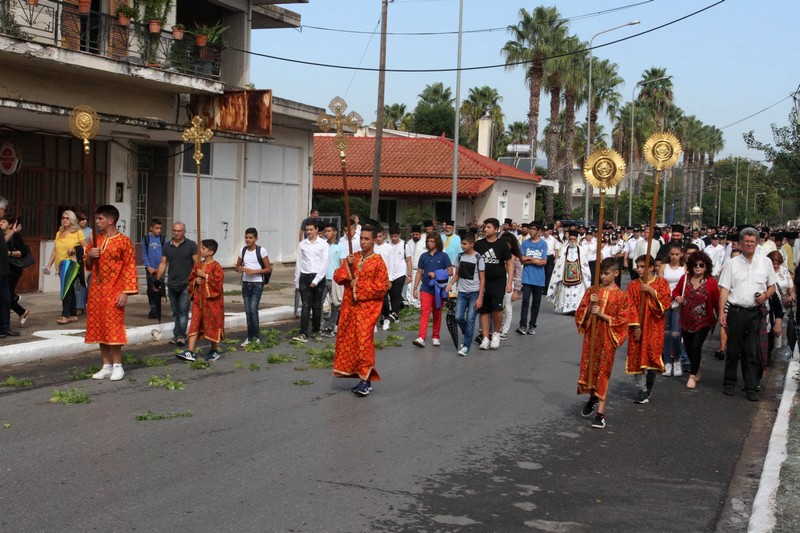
point(187, 355)
point(642, 397)
point(599, 421)
point(588, 407)
point(362, 389)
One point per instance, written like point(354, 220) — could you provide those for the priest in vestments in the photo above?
point(365, 279)
point(571, 277)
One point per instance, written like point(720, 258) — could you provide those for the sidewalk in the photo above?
point(42, 338)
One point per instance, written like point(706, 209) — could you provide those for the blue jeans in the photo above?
point(180, 303)
point(251, 294)
point(671, 352)
point(465, 315)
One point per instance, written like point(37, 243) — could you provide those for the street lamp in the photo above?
point(589, 111)
point(719, 200)
point(630, 156)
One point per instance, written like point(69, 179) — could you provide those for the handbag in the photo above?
point(22, 262)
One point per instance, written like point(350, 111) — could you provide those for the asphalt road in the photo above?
point(491, 442)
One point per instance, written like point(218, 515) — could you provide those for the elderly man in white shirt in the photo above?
point(309, 274)
point(747, 281)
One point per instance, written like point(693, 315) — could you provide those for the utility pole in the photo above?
point(376, 166)
point(457, 128)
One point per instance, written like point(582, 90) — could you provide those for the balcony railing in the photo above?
point(59, 24)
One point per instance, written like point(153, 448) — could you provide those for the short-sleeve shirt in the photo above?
point(250, 260)
point(181, 260)
point(431, 263)
point(744, 279)
point(64, 244)
point(534, 274)
point(469, 268)
point(495, 254)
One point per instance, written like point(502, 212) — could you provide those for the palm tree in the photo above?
point(605, 80)
point(689, 131)
point(517, 132)
point(435, 94)
point(554, 69)
point(393, 116)
point(532, 39)
point(481, 100)
point(658, 94)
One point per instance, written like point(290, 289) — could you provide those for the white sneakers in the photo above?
point(667, 369)
point(419, 341)
point(495, 344)
point(677, 370)
point(115, 373)
point(484, 344)
point(245, 343)
point(385, 325)
point(436, 342)
point(104, 373)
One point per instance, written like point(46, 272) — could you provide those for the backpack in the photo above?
point(264, 277)
point(147, 240)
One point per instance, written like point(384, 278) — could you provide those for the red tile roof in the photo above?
point(409, 166)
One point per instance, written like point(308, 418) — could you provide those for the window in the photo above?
point(387, 211)
point(189, 165)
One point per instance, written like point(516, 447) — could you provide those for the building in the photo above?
point(145, 84)
point(417, 172)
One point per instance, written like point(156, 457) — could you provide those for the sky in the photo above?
point(728, 62)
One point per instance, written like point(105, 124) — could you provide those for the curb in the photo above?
point(60, 343)
point(762, 517)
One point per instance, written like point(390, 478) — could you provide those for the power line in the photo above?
point(757, 112)
point(483, 67)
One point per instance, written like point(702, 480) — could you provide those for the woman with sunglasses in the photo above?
point(697, 294)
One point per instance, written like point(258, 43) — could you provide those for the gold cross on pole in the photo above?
point(338, 121)
point(197, 135)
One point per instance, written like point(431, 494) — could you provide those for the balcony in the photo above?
point(52, 23)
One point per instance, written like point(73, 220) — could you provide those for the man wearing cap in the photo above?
point(415, 247)
point(696, 240)
point(709, 232)
point(452, 242)
point(629, 257)
point(523, 232)
point(716, 252)
point(571, 277)
point(678, 231)
point(746, 283)
point(767, 244)
point(506, 226)
point(428, 226)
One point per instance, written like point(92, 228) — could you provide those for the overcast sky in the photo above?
point(728, 62)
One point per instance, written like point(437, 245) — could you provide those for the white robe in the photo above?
point(567, 299)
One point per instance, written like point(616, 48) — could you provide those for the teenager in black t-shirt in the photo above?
point(499, 273)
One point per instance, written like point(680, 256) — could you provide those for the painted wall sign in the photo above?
point(9, 159)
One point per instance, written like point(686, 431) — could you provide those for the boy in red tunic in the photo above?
point(647, 338)
point(612, 311)
point(208, 306)
point(365, 281)
point(114, 266)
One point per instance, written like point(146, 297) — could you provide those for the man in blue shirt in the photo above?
point(534, 259)
point(152, 246)
point(452, 242)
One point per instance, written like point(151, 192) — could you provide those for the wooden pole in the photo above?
point(596, 286)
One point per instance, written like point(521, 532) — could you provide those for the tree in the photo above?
point(657, 95)
point(574, 79)
point(436, 94)
point(533, 36)
point(434, 113)
point(481, 100)
point(394, 116)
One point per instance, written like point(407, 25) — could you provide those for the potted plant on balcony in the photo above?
point(125, 14)
point(155, 13)
point(204, 34)
point(84, 6)
point(177, 32)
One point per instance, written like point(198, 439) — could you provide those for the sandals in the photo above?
point(62, 320)
point(73, 319)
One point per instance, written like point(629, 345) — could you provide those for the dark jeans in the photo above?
point(311, 298)
point(532, 294)
point(69, 305)
point(153, 298)
point(251, 294)
point(548, 271)
point(13, 278)
point(394, 298)
point(694, 347)
point(742, 334)
point(181, 303)
point(5, 304)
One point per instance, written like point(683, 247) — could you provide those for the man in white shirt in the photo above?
point(415, 247)
point(553, 247)
point(629, 256)
point(746, 283)
point(697, 240)
point(398, 264)
point(717, 254)
point(309, 273)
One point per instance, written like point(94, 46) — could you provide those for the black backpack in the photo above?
point(265, 277)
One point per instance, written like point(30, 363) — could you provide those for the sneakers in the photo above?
point(117, 373)
point(667, 369)
point(393, 317)
point(752, 396)
point(521, 331)
point(531, 330)
point(369, 387)
point(495, 344)
point(24, 317)
point(588, 407)
point(213, 355)
point(436, 342)
point(504, 335)
point(246, 343)
point(186, 355)
point(642, 397)
point(419, 342)
point(362, 389)
point(328, 334)
point(677, 371)
point(104, 372)
point(599, 421)
point(463, 351)
point(300, 338)
point(385, 325)
point(485, 343)
point(317, 336)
